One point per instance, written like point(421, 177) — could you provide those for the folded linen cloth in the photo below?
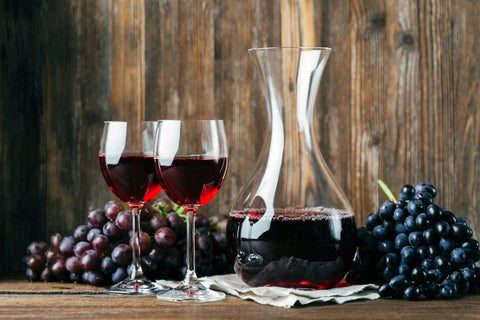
point(284, 297)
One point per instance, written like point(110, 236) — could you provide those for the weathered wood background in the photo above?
point(399, 101)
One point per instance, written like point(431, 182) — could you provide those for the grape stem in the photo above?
point(387, 191)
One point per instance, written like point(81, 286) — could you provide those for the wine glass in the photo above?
point(191, 161)
point(126, 160)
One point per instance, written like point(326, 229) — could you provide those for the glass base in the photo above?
point(193, 293)
point(139, 287)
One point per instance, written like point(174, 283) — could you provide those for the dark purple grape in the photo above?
point(385, 246)
point(66, 246)
point(145, 242)
point(72, 264)
point(201, 221)
point(430, 290)
point(442, 228)
point(434, 213)
point(158, 221)
point(157, 253)
point(112, 208)
point(442, 263)
point(426, 187)
point(386, 210)
point(92, 233)
point(412, 293)
point(448, 216)
point(97, 278)
point(52, 255)
point(80, 233)
point(458, 256)
point(401, 240)
point(111, 230)
point(47, 275)
point(446, 245)
point(119, 275)
point(380, 232)
point(422, 222)
point(165, 236)
point(398, 283)
point(460, 232)
point(415, 206)
point(147, 212)
point(108, 266)
point(371, 222)
point(97, 218)
point(55, 240)
point(410, 223)
point(425, 197)
point(422, 252)
point(122, 255)
point(399, 214)
point(173, 258)
point(431, 236)
point(124, 220)
point(385, 290)
point(446, 292)
point(80, 248)
point(35, 262)
point(415, 238)
point(58, 269)
point(175, 222)
point(427, 264)
point(37, 248)
point(418, 275)
point(408, 254)
point(90, 261)
point(407, 192)
point(100, 243)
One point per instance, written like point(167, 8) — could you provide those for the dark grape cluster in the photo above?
point(99, 252)
point(416, 249)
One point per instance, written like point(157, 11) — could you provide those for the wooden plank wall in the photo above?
point(399, 101)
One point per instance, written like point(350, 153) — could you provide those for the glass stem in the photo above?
point(191, 276)
point(136, 271)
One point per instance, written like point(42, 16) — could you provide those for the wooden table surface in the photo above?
point(25, 300)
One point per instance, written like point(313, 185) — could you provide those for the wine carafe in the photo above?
point(291, 224)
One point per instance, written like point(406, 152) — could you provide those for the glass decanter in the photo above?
point(291, 224)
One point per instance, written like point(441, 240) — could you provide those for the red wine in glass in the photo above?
point(126, 161)
point(191, 160)
point(193, 181)
point(131, 178)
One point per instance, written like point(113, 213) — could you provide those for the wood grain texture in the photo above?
point(74, 301)
point(399, 100)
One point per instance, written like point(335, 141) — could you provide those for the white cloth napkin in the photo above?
point(283, 297)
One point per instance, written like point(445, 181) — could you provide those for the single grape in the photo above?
point(145, 242)
point(72, 264)
point(80, 248)
point(166, 204)
point(410, 223)
point(422, 252)
point(112, 208)
point(58, 269)
point(446, 245)
point(52, 255)
point(175, 222)
point(80, 233)
point(412, 293)
point(201, 221)
point(407, 192)
point(147, 212)
point(108, 266)
point(404, 269)
point(97, 218)
point(442, 263)
point(415, 238)
point(431, 236)
point(37, 248)
point(47, 275)
point(380, 232)
point(425, 197)
point(55, 240)
point(32, 275)
point(422, 222)
point(111, 230)
point(446, 292)
point(90, 261)
point(96, 278)
point(430, 290)
point(203, 243)
point(385, 290)
point(122, 255)
point(386, 210)
point(419, 275)
point(92, 233)
point(398, 283)
point(119, 274)
point(75, 277)
point(460, 232)
point(35, 262)
point(415, 206)
point(399, 214)
point(165, 236)
point(448, 216)
point(427, 264)
point(385, 246)
point(124, 220)
point(426, 187)
point(100, 243)
point(408, 254)
point(158, 221)
point(66, 246)
point(434, 213)
point(442, 228)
